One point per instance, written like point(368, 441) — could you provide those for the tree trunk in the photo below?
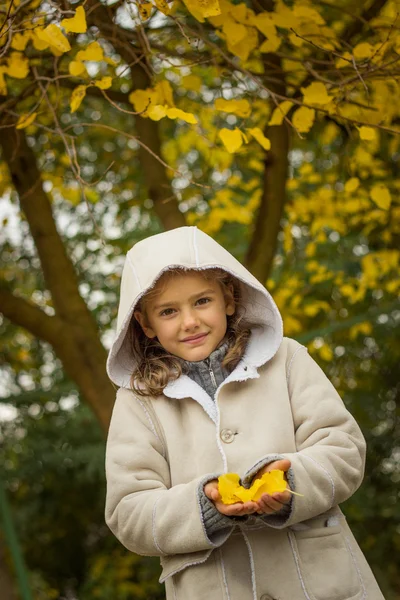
point(73, 332)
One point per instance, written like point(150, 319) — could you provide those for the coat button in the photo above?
point(227, 436)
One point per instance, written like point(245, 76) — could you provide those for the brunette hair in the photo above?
point(155, 366)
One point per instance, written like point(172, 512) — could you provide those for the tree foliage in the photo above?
point(271, 125)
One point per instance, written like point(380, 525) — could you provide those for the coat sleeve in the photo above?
point(146, 514)
point(328, 466)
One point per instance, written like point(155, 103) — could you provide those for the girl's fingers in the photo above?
point(268, 504)
point(283, 497)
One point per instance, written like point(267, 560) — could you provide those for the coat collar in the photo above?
point(257, 353)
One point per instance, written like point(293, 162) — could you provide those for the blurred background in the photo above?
point(272, 126)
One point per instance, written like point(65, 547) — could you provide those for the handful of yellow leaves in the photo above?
point(231, 491)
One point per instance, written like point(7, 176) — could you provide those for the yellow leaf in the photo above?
point(93, 52)
point(77, 96)
point(18, 65)
point(145, 10)
point(303, 119)
point(231, 491)
point(243, 48)
point(202, 9)
point(77, 24)
point(104, 83)
point(280, 113)
point(351, 185)
point(307, 14)
point(234, 32)
point(238, 107)
point(271, 482)
point(367, 133)
point(164, 92)
point(157, 112)
point(363, 50)
point(346, 61)
point(316, 93)
point(265, 23)
point(192, 82)
point(76, 68)
point(143, 99)
point(20, 40)
point(381, 196)
point(365, 328)
point(325, 352)
point(232, 139)
point(227, 485)
point(260, 137)
point(53, 36)
point(38, 43)
point(162, 6)
point(25, 120)
point(271, 44)
point(177, 113)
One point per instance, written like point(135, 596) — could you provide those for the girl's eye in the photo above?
point(203, 300)
point(166, 312)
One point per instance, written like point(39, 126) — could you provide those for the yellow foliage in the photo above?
point(76, 68)
point(316, 93)
point(381, 196)
point(237, 107)
point(77, 96)
point(78, 22)
point(351, 185)
point(232, 139)
point(162, 6)
point(145, 9)
point(280, 113)
point(192, 82)
point(93, 52)
point(18, 65)
point(177, 113)
point(260, 137)
point(325, 352)
point(104, 83)
point(53, 36)
point(365, 328)
point(20, 40)
point(25, 120)
point(363, 50)
point(303, 119)
point(231, 491)
point(202, 9)
point(367, 133)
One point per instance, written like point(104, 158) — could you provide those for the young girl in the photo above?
point(209, 385)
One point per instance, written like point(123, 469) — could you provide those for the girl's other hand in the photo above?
point(230, 510)
point(269, 504)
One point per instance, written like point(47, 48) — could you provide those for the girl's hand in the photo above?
point(269, 504)
point(230, 510)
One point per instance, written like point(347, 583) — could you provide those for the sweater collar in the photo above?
point(213, 361)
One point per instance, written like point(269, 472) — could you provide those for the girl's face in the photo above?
point(188, 316)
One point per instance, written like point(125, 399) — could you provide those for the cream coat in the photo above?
point(276, 403)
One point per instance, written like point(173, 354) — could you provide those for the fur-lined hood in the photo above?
point(187, 248)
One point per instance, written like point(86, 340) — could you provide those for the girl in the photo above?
point(209, 385)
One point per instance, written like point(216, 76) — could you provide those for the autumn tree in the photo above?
point(273, 126)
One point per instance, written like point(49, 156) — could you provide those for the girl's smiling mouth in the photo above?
point(193, 339)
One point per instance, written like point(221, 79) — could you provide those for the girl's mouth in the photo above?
point(195, 338)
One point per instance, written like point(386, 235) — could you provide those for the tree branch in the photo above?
point(30, 317)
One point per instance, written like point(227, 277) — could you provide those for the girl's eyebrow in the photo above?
point(165, 304)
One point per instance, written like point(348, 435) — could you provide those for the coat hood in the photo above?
point(187, 248)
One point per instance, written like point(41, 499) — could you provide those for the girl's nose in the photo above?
point(189, 319)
